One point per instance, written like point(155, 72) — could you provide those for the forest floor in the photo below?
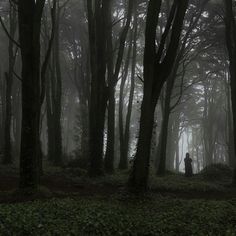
point(70, 203)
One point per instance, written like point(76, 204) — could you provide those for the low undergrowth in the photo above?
point(101, 206)
point(154, 215)
point(179, 183)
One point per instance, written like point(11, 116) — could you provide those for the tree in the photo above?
point(125, 131)
point(54, 94)
point(113, 74)
point(231, 46)
point(183, 59)
point(33, 89)
point(98, 18)
point(157, 67)
point(12, 54)
point(30, 13)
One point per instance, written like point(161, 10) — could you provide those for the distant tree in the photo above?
point(54, 94)
point(113, 76)
point(77, 46)
point(125, 130)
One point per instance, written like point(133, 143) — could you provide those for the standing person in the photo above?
point(188, 165)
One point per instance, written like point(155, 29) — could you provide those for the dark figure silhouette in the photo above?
point(188, 165)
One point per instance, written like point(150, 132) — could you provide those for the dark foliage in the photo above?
point(217, 172)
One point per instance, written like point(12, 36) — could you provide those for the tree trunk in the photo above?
point(7, 158)
point(109, 157)
point(97, 21)
point(177, 161)
point(2, 107)
point(230, 41)
point(85, 131)
point(9, 82)
point(124, 158)
point(156, 71)
point(139, 176)
point(30, 14)
point(58, 94)
point(123, 163)
point(110, 148)
point(17, 118)
point(230, 134)
point(53, 97)
point(164, 129)
point(50, 123)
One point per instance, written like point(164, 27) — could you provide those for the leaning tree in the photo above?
point(157, 67)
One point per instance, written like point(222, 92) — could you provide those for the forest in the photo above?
point(118, 117)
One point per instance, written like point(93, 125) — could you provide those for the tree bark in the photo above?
point(9, 82)
point(54, 91)
point(7, 158)
point(109, 156)
point(156, 71)
point(123, 163)
point(164, 127)
point(97, 22)
point(30, 14)
point(231, 41)
point(50, 123)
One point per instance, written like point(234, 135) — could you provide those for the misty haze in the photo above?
point(118, 117)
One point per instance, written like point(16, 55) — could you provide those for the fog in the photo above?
point(130, 90)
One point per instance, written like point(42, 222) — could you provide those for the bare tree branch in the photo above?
point(7, 33)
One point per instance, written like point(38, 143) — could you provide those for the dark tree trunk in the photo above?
point(163, 138)
point(9, 82)
point(17, 122)
point(229, 128)
point(175, 138)
point(85, 131)
point(156, 71)
point(7, 158)
point(123, 163)
point(177, 161)
point(30, 14)
point(2, 107)
point(139, 177)
point(231, 40)
point(124, 158)
point(164, 128)
point(50, 123)
point(58, 93)
point(109, 157)
point(97, 21)
point(54, 93)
